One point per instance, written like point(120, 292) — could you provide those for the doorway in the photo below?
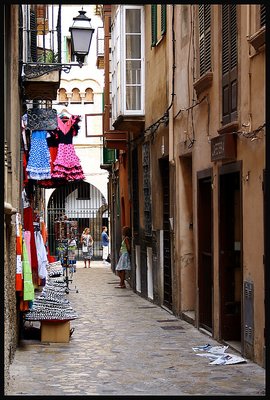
point(205, 250)
point(80, 202)
point(167, 274)
point(230, 251)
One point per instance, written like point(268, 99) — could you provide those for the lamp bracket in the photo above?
point(34, 70)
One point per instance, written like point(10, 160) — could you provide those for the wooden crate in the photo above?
point(55, 331)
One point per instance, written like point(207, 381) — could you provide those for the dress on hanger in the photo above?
point(53, 142)
point(38, 166)
point(67, 165)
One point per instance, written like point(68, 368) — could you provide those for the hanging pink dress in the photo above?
point(67, 164)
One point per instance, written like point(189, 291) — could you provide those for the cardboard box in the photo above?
point(55, 331)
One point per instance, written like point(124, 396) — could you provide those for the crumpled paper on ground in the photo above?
point(217, 355)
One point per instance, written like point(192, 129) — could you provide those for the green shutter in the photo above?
point(263, 15)
point(109, 156)
point(154, 24)
point(163, 19)
point(33, 36)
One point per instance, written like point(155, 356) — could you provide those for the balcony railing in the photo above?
point(40, 39)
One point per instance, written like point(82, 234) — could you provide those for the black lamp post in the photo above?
point(81, 36)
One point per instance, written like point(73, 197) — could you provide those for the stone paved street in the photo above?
point(122, 344)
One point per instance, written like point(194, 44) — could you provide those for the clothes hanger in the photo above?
point(65, 113)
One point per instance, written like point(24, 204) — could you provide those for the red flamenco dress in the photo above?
point(67, 164)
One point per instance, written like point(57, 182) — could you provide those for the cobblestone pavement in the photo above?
point(123, 344)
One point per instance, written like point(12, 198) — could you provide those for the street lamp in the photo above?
point(81, 36)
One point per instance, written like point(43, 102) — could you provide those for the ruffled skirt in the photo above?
point(38, 166)
point(67, 164)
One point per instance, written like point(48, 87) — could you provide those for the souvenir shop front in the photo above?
point(49, 161)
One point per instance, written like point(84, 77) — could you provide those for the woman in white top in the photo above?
point(87, 246)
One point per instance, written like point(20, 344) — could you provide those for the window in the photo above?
point(70, 57)
point(205, 38)
point(158, 22)
point(127, 55)
point(75, 98)
point(62, 96)
point(133, 59)
point(229, 63)
point(89, 96)
point(115, 50)
point(100, 41)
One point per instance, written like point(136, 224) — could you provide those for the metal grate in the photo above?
point(144, 307)
point(248, 312)
point(147, 189)
point(172, 328)
point(81, 202)
point(166, 320)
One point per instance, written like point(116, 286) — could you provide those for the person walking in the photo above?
point(105, 240)
point(124, 263)
point(87, 246)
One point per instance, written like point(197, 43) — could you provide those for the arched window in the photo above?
point(62, 95)
point(89, 96)
point(75, 98)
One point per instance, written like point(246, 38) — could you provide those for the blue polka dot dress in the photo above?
point(38, 166)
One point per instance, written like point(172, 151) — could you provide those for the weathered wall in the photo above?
point(251, 108)
point(12, 180)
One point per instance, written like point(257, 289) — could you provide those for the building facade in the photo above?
point(12, 176)
point(188, 96)
point(37, 85)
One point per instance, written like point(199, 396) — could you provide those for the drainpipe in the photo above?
point(171, 58)
point(107, 14)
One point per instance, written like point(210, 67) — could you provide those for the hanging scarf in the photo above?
point(28, 287)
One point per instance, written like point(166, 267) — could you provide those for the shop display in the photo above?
point(49, 155)
point(52, 303)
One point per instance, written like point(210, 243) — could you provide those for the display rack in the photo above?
point(62, 245)
point(65, 231)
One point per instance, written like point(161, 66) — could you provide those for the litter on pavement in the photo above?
point(217, 355)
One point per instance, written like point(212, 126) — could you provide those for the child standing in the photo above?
point(124, 263)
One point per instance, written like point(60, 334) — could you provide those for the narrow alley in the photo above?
point(123, 344)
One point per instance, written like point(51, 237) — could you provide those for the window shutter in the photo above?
point(263, 15)
point(229, 63)
point(154, 24)
point(163, 19)
point(205, 38)
point(33, 35)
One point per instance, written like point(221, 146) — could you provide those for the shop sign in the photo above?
point(223, 147)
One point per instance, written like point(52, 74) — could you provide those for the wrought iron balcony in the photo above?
point(40, 49)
